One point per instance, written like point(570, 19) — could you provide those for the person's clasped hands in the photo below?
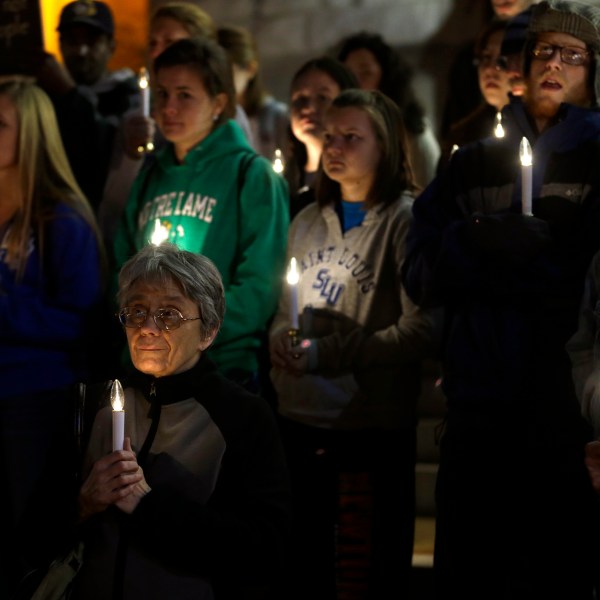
point(511, 236)
point(115, 479)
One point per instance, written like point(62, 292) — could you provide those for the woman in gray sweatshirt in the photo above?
point(347, 390)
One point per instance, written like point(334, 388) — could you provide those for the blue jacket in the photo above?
point(511, 284)
point(44, 318)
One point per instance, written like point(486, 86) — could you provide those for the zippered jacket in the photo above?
point(216, 521)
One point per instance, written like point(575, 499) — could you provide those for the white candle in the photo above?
point(292, 278)
point(526, 156)
point(144, 84)
point(498, 129)
point(117, 399)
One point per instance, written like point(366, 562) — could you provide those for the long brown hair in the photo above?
point(44, 174)
point(394, 173)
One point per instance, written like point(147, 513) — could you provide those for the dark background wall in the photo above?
point(288, 32)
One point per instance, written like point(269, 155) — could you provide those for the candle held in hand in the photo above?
point(144, 84)
point(292, 278)
point(499, 129)
point(526, 156)
point(117, 399)
point(278, 163)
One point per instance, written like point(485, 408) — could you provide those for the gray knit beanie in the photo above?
point(573, 18)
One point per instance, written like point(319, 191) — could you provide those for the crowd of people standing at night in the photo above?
point(267, 278)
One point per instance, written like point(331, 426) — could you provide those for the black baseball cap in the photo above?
point(84, 12)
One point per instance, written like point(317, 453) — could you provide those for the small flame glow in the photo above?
point(160, 234)
point(454, 149)
point(117, 397)
point(292, 275)
point(143, 80)
point(525, 153)
point(278, 162)
point(498, 129)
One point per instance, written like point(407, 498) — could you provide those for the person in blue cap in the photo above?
point(89, 99)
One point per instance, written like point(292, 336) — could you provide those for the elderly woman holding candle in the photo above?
point(197, 503)
point(347, 391)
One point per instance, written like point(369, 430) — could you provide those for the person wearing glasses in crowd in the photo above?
point(516, 512)
point(197, 504)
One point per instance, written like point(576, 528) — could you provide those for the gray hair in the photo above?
point(196, 275)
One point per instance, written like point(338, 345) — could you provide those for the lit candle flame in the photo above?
point(293, 277)
point(453, 149)
point(160, 233)
point(499, 130)
point(278, 162)
point(117, 397)
point(526, 156)
point(525, 153)
point(143, 81)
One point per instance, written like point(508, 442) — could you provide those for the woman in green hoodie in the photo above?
point(208, 192)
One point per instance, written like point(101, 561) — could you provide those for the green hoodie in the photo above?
point(226, 203)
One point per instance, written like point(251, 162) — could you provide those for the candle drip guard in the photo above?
point(294, 335)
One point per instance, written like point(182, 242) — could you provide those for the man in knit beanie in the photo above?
point(561, 58)
point(517, 517)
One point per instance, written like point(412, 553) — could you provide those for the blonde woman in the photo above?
point(50, 282)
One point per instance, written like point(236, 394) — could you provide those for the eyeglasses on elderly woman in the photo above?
point(166, 319)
